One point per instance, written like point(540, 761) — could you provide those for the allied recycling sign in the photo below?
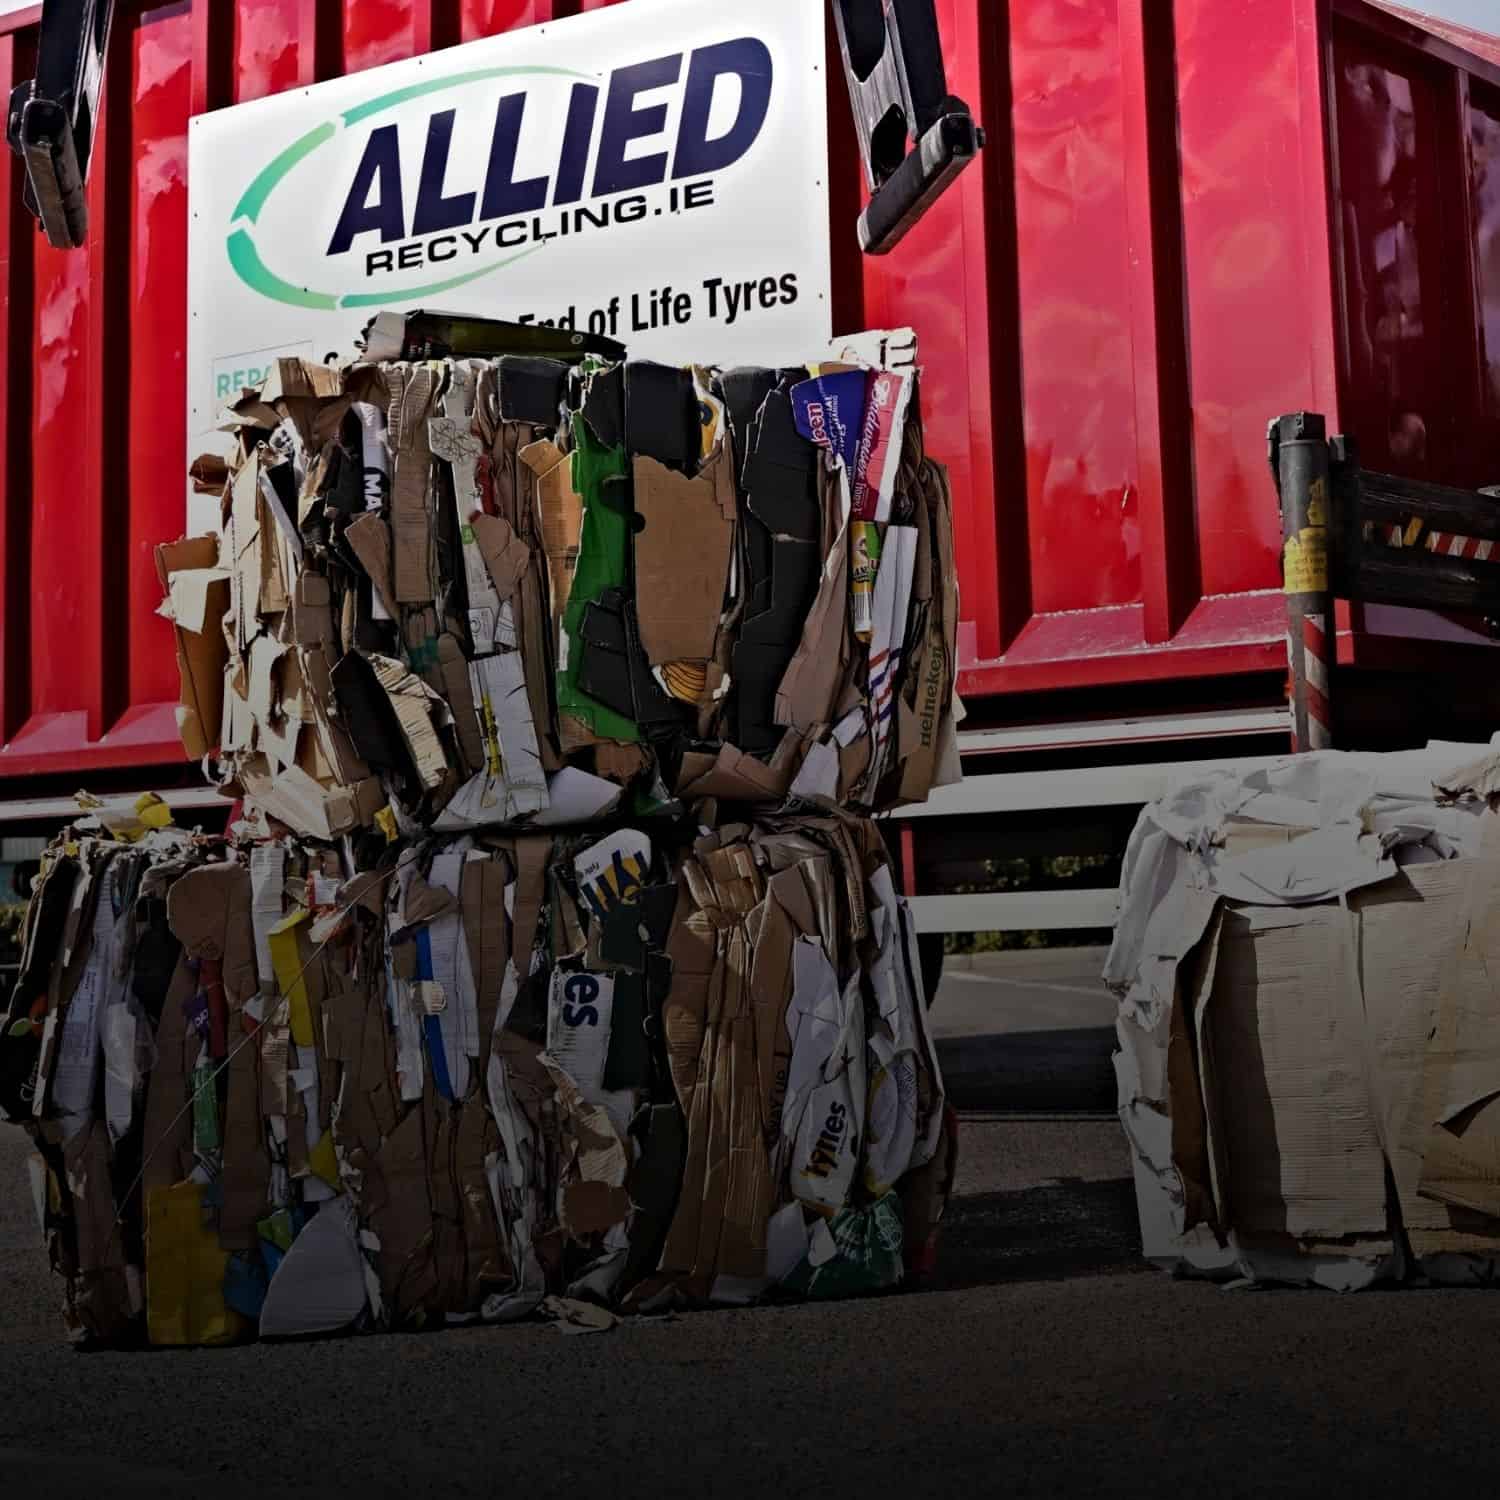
point(656, 171)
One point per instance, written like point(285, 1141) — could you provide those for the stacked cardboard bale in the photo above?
point(1309, 1031)
point(550, 961)
point(455, 592)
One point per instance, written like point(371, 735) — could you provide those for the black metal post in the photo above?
point(1300, 459)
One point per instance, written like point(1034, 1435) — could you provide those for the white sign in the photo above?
point(656, 171)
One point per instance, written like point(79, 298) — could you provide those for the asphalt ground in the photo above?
point(1046, 1359)
point(1027, 1031)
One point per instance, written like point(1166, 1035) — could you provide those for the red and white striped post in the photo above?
point(1302, 461)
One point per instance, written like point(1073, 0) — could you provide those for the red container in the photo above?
point(1190, 218)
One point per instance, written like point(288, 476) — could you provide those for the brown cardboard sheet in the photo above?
point(678, 606)
point(1410, 928)
point(369, 539)
point(414, 391)
point(506, 556)
point(198, 592)
point(560, 508)
point(820, 667)
point(1285, 1076)
point(928, 704)
point(1461, 1086)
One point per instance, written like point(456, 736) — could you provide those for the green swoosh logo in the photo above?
point(240, 247)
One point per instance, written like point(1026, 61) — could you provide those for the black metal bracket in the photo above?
point(915, 137)
point(1401, 541)
point(51, 120)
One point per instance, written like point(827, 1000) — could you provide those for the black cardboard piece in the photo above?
point(283, 485)
point(46, 918)
point(604, 406)
point(661, 415)
point(532, 390)
point(744, 392)
point(156, 953)
point(344, 481)
point(781, 473)
point(654, 707)
point(346, 575)
point(613, 668)
point(426, 333)
point(46, 921)
point(780, 532)
point(620, 940)
point(447, 544)
point(528, 1016)
point(373, 725)
point(769, 638)
point(627, 1062)
point(604, 665)
point(655, 1183)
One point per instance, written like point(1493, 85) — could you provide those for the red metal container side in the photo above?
point(1189, 219)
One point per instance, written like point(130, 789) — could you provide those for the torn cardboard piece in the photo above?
point(680, 608)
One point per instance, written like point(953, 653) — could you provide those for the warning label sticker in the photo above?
point(1305, 562)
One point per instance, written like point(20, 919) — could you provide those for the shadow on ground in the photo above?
point(1062, 1071)
point(1054, 1232)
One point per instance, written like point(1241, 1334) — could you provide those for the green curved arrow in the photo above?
point(259, 277)
point(268, 177)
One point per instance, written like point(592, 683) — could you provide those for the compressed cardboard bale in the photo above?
point(1280, 1062)
point(519, 591)
point(655, 554)
point(627, 1136)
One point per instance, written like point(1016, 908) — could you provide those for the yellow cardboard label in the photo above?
point(1317, 503)
point(1305, 562)
point(323, 1161)
point(286, 960)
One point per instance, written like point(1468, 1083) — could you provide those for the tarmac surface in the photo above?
point(1047, 1359)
